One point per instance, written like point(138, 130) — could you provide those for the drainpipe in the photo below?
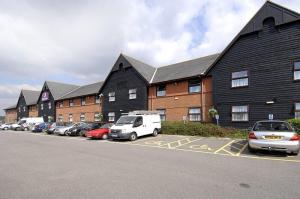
point(202, 108)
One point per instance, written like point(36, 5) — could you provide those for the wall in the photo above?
point(11, 116)
point(33, 111)
point(46, 113)
point(178, 100)
point(89, 109)
point(21, 113)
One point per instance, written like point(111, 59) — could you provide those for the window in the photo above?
point(239, 113)
point(111, 116)
point(195, 86)
point(42, 106)
point(61, 104)
point(162, 113)
point(82, 117)
point(70, 117)
point(297, 110)
point(195, 114)
point(20, 109)
point(132, 93)
point(97, 117)
point(49, 105)
point(24, 108)
point(71, 102)
point(111, 96)
point(161, 90)
point(60, 118)
point(97, 99)
point(239, 79)
point(83, 101)
point(297, 70)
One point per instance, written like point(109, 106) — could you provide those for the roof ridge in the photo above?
point(61, 83)
point(153, 75)
point(279, 5)
point(135, 60)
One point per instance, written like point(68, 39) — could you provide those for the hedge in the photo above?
point(201, 129)
point(296, 124)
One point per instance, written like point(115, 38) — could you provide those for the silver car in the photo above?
point(273, 135)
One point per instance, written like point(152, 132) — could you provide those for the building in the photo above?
point(82, 104)
point(257, 76)
point(11, 114)
point(27, 104)
point(51, 92)
point(125, 88)
point(181, 92)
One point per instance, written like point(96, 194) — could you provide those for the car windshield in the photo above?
point(272, 126)
point(126, 120)
point(106, 126)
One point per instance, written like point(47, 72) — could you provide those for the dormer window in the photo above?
point(297, 70)
point(121, 67)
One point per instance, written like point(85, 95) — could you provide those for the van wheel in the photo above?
point(26, 129)
point(132, 137)
point(155, 132)
point(6, 128)
point(104, 137)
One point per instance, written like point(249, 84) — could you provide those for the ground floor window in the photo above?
point(70, 117)
point(239, 113)
point(97, 117)
point(162, 113)
point(297, 110)
point(194, 114)
point(111, 116)
point(60, 118)
point(82, 117)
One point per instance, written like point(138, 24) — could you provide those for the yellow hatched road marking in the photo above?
point(223, 147)
point(242, 149)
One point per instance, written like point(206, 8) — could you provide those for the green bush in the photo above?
point(296, 124)
point(201, 129)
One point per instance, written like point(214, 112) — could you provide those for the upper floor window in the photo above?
point(20, 109)
point(162, 113)
point(297, 110)
point(97, 99)
point(239, 79)
point(24, 108)
point(82, 117)
point(60, 104)
point(70, 117)
point(42, 106)
point(297, 70)
point(195, 86)
point(132, 93)
point(111, 116)
point(49, 105)
point(71, 102)
point(83, 101)
point(60, 118)
point(161, 90)
point(194, 114)
point(239, 113)
point(112, 96)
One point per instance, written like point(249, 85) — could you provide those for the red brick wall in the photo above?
point(10, 115)
point(178, 100)
point(89, 109)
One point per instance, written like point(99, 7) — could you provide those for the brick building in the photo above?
point(11, 114)
point(181, 92)
point(82, 104)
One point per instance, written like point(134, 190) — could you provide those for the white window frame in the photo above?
point(297, 110)
point(71, 103)
point(240, 79)
point(111, 116)
point(195, 116)
point(42, 106)
point(70, 117)
point(60, 118)
point(193, 83)
point(24, 108)
point(82, 117)
point(161, 92)
point(132, 93)
point(112, 96)
point(61, 104)
point(49, 105)
point(83, 101)
point(97, 99)
point(297, 70)
point(97, 117)
point(244, 110)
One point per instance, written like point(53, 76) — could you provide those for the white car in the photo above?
point(136, 124)
point(63, 130)
point(5, 126)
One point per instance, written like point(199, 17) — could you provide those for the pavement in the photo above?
point(44, 166)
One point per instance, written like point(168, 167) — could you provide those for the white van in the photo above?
point(136, 124)
point(27, 122)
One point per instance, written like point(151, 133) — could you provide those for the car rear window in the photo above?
point(272, 126)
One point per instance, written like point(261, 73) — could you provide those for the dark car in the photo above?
point(75, 131)
point(91, 126)
point(40, 127)
point(51, 128)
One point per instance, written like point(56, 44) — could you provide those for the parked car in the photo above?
point(101, 133)
point(273, 135)
point(136, 124)
point(26, 121)
point(62, 129)
point(5, 126)
point(76, 129)
point(51, 128)
point(40, 127)
point(91, 126)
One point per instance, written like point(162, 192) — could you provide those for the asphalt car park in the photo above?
point(37, 165)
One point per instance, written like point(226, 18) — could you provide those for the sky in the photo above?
point(78, 41)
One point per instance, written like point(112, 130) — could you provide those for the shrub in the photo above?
point(296, 124)
point(201, 129)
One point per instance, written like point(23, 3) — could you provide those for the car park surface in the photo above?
point(165, 166)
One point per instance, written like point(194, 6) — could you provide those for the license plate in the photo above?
point(273, 137)
point(112, 135)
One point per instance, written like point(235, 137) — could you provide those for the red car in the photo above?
point(101, 133)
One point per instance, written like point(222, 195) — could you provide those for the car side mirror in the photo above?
point(250, 129)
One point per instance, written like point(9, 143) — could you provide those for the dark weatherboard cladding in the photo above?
point(125, 88)
point(253, 79)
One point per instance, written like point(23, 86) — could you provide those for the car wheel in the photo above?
point(155, 132)
point(132, 137)
point(25, 129)
point(250, 149)
point(104, 137)
point(6, 128)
